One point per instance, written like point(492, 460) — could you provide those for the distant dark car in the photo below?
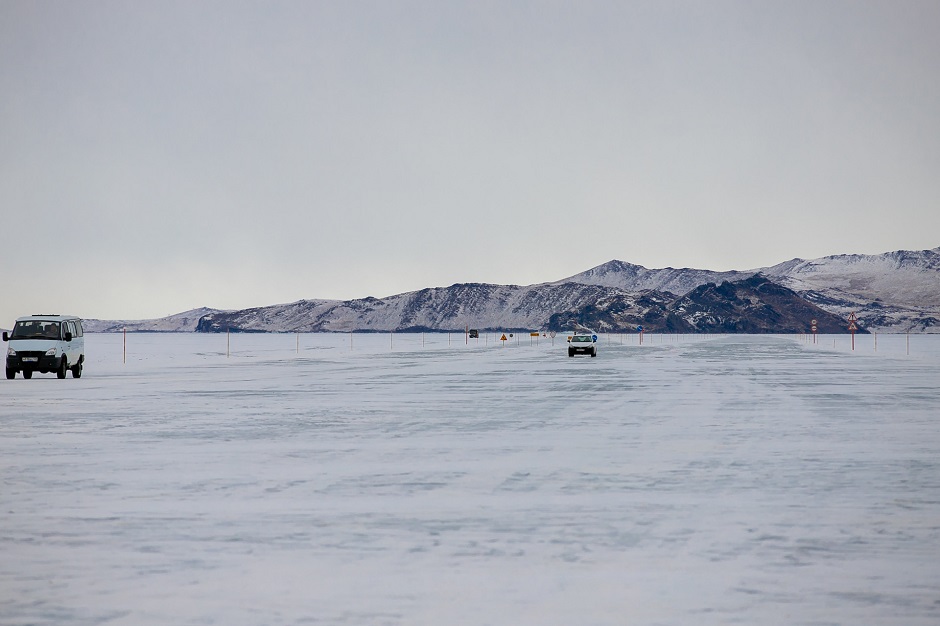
point(474, 333)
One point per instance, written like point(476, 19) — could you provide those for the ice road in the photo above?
point(418, 480)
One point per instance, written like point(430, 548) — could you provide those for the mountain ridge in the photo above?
point(894, 291)
point(891, 292)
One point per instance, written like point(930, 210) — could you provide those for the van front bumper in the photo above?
point(34, 361)
point(580, 350)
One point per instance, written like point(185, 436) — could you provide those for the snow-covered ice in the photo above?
point(416, 480)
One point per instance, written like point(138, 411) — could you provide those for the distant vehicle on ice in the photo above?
point(474, 333)
point(582, 343)
point(46, 343)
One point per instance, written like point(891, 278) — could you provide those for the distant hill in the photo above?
point(457, 307)
point(891, 292)
point(894, 292)
point(752, 305)
point(180, 322)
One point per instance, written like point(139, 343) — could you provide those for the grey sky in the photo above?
point(159, 156)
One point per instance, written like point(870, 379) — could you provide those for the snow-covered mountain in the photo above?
point(891, 292)
point(896, 291)
point(754, 304)
point(179, 323)
point(455, 308)
point(637, 278)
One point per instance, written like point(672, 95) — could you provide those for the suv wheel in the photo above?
point(11, 374)
point(27, 374)
point(594, 352)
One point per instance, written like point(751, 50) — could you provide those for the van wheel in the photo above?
point(77, 370)
point(27, 374)
point(63, 368)
point(11, 374)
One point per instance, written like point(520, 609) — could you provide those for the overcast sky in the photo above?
point(161, 156)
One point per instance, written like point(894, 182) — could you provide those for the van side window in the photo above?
point(78, 327)
point(70, 328)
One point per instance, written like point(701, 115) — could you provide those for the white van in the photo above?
point(46, 343)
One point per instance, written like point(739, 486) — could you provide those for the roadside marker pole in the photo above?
point(228, 342)
point(125, 345)
point(852, 328)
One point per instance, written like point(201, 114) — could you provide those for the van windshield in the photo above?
point(36, 329)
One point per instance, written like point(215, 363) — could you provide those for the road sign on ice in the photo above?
point(852, 327)
point(639, 329)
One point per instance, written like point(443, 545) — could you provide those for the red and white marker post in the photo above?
point(852, 328)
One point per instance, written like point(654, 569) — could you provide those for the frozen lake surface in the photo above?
point(416, 480)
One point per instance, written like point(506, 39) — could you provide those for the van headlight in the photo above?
point(50, 352)
point(11, 351)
